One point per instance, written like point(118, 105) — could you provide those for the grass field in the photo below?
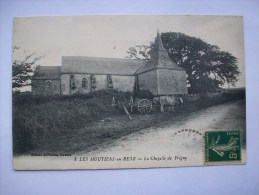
point(81, 122)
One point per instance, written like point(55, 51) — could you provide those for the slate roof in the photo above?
point(98, 65)
point(159, 58)
point(47, 73)
point(114, 66)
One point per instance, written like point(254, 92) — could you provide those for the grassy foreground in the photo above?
point(69, 124)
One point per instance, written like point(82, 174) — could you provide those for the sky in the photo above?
point(111, 36)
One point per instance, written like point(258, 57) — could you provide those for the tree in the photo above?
point(109, 82)
point(207, 67)
point(93, 82)
point(23, 70)
point(139, 52)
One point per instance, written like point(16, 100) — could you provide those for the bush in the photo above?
point(38, 119)
point(192, 104)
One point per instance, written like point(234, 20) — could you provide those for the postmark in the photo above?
point(222, 147)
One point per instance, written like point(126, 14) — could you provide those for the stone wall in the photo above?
point(68, 89)
point(121, 83)
point(148, 81)
point(45, 87)
point(171, 82)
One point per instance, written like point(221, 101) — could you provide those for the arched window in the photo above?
point(72, 82)
point(84, 83)
point(49, 83)
point(48, 89)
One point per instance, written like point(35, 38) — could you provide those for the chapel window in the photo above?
point(49, 83)
point(72, 82)
point(84, 83)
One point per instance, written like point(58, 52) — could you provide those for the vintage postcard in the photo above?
point(114, 92)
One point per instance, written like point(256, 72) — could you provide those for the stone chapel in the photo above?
point(82, 75)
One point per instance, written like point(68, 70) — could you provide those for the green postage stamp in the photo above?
point(222, 147)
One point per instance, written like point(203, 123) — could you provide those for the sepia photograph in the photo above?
point(128, 91)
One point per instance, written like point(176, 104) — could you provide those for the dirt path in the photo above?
point(181, 139)
point(167, 140)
